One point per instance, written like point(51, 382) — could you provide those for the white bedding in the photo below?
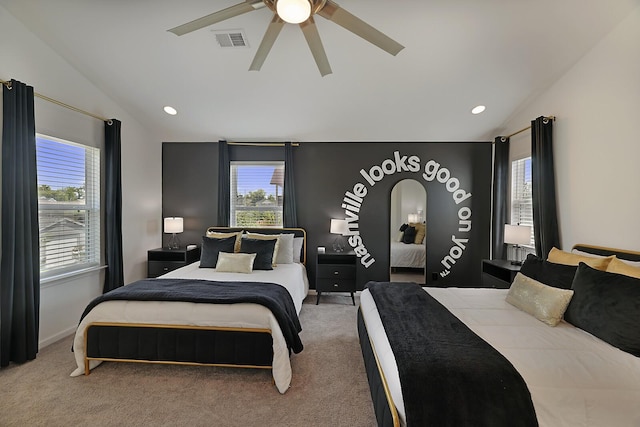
point(291, 276)
point(407, 255)
point(574, 378)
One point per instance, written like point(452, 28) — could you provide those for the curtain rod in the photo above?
point(62, 104)
point(528, 127)
point(262, 144)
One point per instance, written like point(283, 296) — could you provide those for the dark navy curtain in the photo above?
point(224, 184)
point(290, 215)
point(499, 204)
point(545, 216)
point(20, 266)
point(114, 276)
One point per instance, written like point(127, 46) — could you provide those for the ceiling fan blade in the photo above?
point(310, 32)
point(270, 36)
point(221, 15)
point(346, 20)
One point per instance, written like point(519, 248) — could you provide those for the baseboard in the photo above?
point(57, 337)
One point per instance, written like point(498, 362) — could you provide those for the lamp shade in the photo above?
point(517, 234)
point(174, 224)
point(293, 11)
point(413, 218)
point(338, 226)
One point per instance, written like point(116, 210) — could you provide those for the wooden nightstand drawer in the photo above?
point(163, 260)
point(498, 273)
point(336, 271)
point(158, 268)
point(335, 285)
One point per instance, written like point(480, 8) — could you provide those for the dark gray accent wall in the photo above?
point(189, 187)
point(325, 171)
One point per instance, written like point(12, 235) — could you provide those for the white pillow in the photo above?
point(543, 302)
point(235, 263)
point(285, 251)
point(298, 242)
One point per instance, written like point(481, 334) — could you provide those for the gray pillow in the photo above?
point(211, 247)
point(607, 305)
point(263, 250)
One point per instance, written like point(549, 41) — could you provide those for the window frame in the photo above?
point(234, 195)
point(87, 212)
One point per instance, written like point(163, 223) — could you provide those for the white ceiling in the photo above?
point(458, 54)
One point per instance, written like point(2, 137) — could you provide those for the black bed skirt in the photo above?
point(180, 345)
point(378, 396)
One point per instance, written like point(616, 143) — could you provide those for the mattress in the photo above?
point(574, 378)
point(408, 255)
point(292, 276)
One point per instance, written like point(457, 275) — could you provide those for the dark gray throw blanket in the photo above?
point(449, 375)
point(271, 295)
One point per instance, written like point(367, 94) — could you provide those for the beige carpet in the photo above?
point(329, 386)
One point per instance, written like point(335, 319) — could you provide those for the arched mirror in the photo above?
point(407, 232)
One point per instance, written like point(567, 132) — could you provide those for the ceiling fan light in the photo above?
point(293, 11)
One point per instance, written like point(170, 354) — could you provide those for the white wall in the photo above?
point(28, 59)
point(596, 143)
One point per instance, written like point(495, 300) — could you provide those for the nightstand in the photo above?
point(498, 273)
point(336, 272)
point(164, 260)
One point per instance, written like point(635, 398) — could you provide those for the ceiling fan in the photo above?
point(297, 12)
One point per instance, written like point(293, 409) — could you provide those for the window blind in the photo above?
point(521, 201)
point(68, 205)
point(257, 190)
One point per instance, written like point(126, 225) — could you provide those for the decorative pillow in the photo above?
point(409, 235)
point(263, 248)
point(549, 273)
point(421, 231)
point(275, 237)
point(211, 247)
point(543, 302)
point(567, 258)
point(235, 263)
point(285, 249)
point(298, 243)
point(607, 305)
point(237, 234)
point(618, 266)
point(399, 236)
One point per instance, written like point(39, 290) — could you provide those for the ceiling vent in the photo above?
point(231, 39)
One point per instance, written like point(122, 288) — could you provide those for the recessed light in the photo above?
point(170, 110)
point(479, 109)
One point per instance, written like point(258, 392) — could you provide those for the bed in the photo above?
point(585, 371)
point(407, 255)
point(221, 330)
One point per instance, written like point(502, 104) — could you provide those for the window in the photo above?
point(521, 202)
point(256, 194)
point(68, 205)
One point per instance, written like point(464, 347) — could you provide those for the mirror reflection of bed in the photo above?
point(407, 228)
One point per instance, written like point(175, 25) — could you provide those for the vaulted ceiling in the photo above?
point(458, 54)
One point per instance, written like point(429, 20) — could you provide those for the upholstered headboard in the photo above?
point(297, 232)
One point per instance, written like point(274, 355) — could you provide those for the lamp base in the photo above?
point(337, 245)
point(174, 242)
